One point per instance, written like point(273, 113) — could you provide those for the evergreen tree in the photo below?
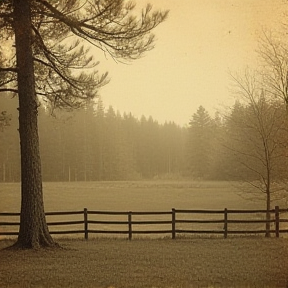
point(45, 65)
point(99, 138)
point(199, 144)
point(172, 149)
point(148, 148)
point(217, 150)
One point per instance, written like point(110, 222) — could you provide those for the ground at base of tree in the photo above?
point(103, 262)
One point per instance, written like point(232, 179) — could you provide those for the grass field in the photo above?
point(132, 196)
point(183, 263)
point(117, 263)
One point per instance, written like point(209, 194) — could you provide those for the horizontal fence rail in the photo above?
point(177, 221)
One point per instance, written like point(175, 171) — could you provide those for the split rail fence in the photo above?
point(175, 222)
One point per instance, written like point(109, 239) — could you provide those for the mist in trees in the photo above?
point(247, 145)
point(100, 144)
point(204, 153)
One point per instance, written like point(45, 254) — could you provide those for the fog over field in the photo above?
point(135, 196)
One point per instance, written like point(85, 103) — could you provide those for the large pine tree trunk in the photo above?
point(33, 231)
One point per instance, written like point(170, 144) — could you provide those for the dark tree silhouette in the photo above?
point(49, 47)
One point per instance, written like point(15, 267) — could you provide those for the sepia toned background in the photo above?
point(196, 47)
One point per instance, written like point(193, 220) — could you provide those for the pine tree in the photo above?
point(45, 66)
point(199, 144)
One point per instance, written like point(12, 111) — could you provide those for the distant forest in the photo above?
point(96, 143)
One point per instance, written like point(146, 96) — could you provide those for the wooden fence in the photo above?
point(177, 222)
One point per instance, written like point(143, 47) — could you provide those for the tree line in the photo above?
point(98, 144)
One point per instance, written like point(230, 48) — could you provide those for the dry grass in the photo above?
point(237, 262)
point(134, 196)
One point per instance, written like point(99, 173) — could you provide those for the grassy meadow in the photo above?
point(117, 263)
point(110, 262)
point(135, 196)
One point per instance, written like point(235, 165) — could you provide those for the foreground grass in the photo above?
point(235, 262)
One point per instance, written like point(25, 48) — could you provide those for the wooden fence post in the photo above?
point(277, 221)
point(85, 224)
point(173, 223)
point(130, 225)
point(225, 223)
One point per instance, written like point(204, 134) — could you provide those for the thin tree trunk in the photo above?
point(33, 231)
point(268, 216)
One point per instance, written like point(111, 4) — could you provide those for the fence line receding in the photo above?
point(175, 222)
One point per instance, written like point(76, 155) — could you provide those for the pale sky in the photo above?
point(196, 47)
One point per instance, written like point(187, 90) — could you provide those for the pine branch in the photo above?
point(116, 33)
point(8, 90)
point(8, 69)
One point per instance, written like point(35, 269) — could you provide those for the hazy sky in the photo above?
point(195, 48)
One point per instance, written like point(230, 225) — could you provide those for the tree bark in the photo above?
point(33, 232)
